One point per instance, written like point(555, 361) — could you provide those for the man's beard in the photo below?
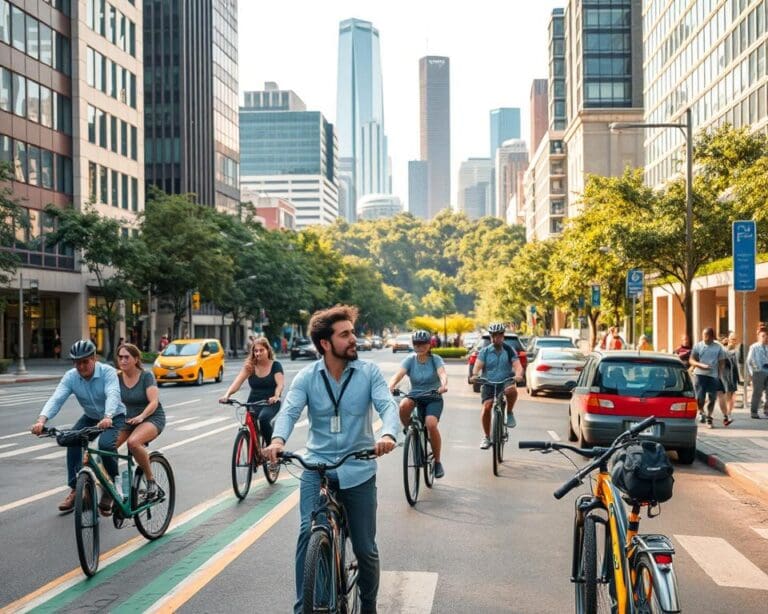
point(350, 354)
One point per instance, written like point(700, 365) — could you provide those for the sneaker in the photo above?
point(710, 423)
point(727, 421)
point(702, 418)
point(439, 471)
point(69, 502)
point(153, 491)
point(511, 422)
point(755, 416)
point(105, 504)
point(485, 443)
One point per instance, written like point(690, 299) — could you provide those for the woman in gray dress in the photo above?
point(145, 418)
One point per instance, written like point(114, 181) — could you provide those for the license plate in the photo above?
point(170, 376)
point(651, 431)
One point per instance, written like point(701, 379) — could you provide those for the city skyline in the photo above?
point(484, 75)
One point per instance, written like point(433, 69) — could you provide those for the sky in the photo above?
point(496, 49)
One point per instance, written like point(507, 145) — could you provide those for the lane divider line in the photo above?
point(32, 499)
point(203, 423)
point(180, 420)
point(20, 451)
point(16, 434)
point(52, 455)
point(179, 404)
point(8, 445)
point(196, 437)
point(553, 435)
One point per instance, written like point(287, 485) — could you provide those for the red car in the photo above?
point(618, 389)
point(510, 339)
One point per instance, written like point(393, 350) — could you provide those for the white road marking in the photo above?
point(182, 403)
point(761, 531)
point(180, 420)
point(553, 435)
point(33, 498)
point(19, 434)
point(407, 592)
point(763, 443)
point(723, 563)
point(8, 445)
point(725, 493)
point(6, 402)
point(196, 437)
point(56, 454)
point(198, 425)
point(25, 450)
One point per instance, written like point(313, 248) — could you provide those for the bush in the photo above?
point(148, 356)
point(450, 352)
point(4, 364)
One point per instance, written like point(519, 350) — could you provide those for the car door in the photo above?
point(581, 391)
point(206, 360)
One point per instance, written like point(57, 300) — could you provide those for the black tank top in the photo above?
point(263, 388)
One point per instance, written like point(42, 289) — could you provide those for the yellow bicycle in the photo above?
point(615, 568)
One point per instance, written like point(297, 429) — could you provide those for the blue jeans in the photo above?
point(706, 389)
point(360, 504)
point(107, 442)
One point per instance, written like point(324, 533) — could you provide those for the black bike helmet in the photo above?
point(420, 336)
point(82, 349)
point(496, 327)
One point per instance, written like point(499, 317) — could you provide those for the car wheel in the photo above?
point(220, 375)
point(581, 441)
point(533, 392)
point(686, 456)
point(571, 434)
point(199, 380)
point(293, 356)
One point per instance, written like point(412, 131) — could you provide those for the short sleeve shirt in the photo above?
point(497, 365)
point(423, 376)
point(711, 355)
point(135, 398)
point(262, 388)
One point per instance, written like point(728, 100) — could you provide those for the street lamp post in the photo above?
point(21, 368)
point(686, 128)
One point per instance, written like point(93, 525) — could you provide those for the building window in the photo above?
point(91, 124)
point(92, 181)
point(33, 101)
point(123, 138)
point(18, 27)
point(19, 95)
point(101, 119)
point(134, 194)
point(104, 184)
point(33, 42)
point(20, 161)
point(113, 133)
point(46, 169)
point(33, 165)
point(115, 185)
point(5, 22)
point(46, 107)
point(124, 194)
point(5, 90)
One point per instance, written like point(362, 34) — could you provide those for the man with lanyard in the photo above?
point(97, 389)
point(757, 363)
point(338, 391)
point(497, 361)
point(707, 358)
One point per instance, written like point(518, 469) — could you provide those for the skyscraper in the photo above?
point(363, 156)
point(539, 111)
point(475, 191)
point(191, 99)
point(418, 190)
point(435, 124)
point(505, 125)
point(511, 160)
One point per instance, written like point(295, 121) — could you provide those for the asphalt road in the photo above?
point(474, 543)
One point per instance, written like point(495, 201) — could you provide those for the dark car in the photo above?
point(620, 388)
point(510, 339)
point(302, 347)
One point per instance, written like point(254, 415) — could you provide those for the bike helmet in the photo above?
point(82, 349)
point(420, 336)
point(496, 327)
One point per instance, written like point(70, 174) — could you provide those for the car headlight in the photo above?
point(190, 363)
point(156, 363)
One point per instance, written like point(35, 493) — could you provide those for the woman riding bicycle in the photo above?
point(145, 417)
point(266, 379)
point(426, 372)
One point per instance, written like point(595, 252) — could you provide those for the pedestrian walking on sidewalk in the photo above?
point(729, 378)
point(708, 359)
point(757, 365)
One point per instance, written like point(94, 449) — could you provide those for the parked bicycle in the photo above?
point(614, 567)
point(330, 567)
point(499, 430)
point(246, 453)
point(417, 449)
point(151, 515)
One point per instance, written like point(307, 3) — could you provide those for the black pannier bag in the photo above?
point(643, 473)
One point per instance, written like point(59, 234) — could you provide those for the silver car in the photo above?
point(554, 370)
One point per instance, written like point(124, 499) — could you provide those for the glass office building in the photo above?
point(505, 125)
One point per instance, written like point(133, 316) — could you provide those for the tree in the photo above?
point(13, 216)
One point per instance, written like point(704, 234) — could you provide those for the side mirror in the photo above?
point(205, 353)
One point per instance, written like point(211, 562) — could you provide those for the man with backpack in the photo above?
point(497, 362)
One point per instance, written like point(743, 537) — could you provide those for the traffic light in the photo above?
point(195, 301)
point(34, 293)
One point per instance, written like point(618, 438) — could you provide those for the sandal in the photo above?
point(727, 420)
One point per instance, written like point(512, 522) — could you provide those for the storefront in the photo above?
point(42, 323)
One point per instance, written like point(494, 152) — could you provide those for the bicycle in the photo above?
point(622, 571)
point(499, 430)
point(151, 516)
point(417, 449)
point(330, 567)
point(246, 452)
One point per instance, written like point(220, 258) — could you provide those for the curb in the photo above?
point(29, 379)
point(747, 483)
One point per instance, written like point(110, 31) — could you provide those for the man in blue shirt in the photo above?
point(337, 426)
point(708, 359)
point(96, 387)
point(497, 362)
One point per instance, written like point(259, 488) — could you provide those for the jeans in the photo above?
point(360, 504)
point(706, 386)
point(264, 416)
point(759, 385)
point(107, 442)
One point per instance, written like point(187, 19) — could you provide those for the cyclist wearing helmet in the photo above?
point(97, 389)
point(426, 372)
point(497, 361)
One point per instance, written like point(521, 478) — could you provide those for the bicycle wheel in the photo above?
point(647, 588)
point(320, 590)
point(429, 461)
point(411, 466)
point(271, 470)
point(496, 439)
point(502, 436)
point(242, 469)
point(153, 521)
point(87, 523)
point(597, 594)
point(351, 590)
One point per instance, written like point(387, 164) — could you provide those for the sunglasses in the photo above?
point(124, 356)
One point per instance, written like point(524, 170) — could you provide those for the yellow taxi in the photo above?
point(190, 360)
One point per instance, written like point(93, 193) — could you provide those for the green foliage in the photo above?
point(13, 217)
point(448, 352)
point(148, 357)
point(4, 364)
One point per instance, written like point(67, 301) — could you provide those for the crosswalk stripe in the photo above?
point(52, 455)
point(761, 531)
point(180, 420)
point(7, 445)
point(19, 434)
point(723, 563)
point(406, 592)
point(25, 450)
point(198, 425)
point(182, 403)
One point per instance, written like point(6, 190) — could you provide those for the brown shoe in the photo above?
point(69, 502)
point(105, 504)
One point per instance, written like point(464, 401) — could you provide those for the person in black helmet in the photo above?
point(97, 389)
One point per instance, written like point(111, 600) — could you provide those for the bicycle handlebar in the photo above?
point(366, 454)
point(416, 395)
point(237, 403)
point(487, 382)
point(600, 454)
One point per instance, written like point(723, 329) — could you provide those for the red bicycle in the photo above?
point(246, 453)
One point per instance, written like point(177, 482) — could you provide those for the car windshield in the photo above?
point(404, 338)
point(549, 354)
point(564, 342)
point(181, 349)
point(643, 378)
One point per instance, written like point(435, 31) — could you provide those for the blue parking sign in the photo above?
point(595, 295)
point(635, 279)
point(744, 252)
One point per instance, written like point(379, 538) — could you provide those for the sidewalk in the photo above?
point(38, 370)
point(739, 450)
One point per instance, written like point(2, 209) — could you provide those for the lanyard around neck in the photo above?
point(328, 389)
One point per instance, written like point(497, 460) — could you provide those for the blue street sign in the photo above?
point(595, 295)
point(635, 280)
point(581, 302)
point(533, 309)
point(744, 249)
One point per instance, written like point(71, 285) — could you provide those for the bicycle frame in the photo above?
point(125, 502)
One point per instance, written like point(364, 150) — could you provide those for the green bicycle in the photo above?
point(152, 516)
